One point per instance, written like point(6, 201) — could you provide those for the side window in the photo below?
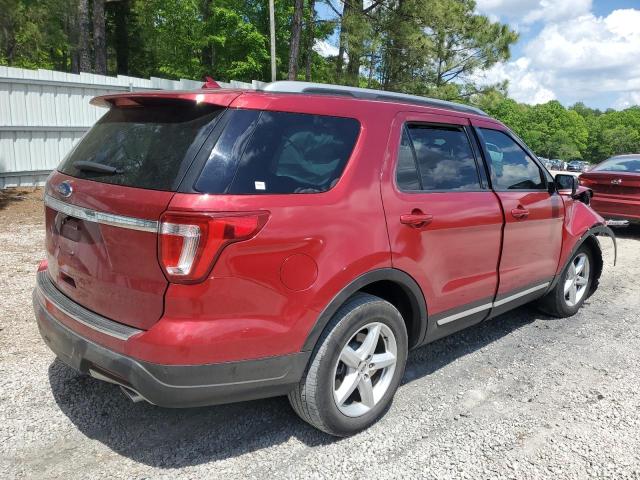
point(444, 158)
point(511, 166)
point(278, 152)
point(406, 172)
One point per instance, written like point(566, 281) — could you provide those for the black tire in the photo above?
point(554, 303)
point(313, 398)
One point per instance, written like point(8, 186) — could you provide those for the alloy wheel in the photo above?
point(577, 280)
point(364, 370)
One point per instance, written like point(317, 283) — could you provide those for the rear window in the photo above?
point(147, 146)
point(619, 164)
point(263, 152)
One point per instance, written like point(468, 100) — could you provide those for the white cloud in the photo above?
point(627, 100)
point(325, 49)
point(552, 10)
point(589, 43)
point(588, 58)
point(525, 85)
point(530, 11)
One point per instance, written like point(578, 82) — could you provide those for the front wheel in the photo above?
point(356, 368)
point(573, 287)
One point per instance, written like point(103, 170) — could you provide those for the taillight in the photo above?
point(189, 244)
point(585, 181)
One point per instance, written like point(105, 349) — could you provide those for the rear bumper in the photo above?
point(614, 207)
point(171, 385)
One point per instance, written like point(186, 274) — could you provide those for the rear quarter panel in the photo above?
point(264, 295)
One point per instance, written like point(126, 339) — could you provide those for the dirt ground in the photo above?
point(20, 206)
point(521, 396)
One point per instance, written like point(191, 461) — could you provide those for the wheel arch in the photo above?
point(390, 284)
point(589, 239)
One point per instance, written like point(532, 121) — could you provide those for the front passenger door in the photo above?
point(533, 219)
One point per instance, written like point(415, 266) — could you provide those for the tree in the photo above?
point(355, 24)
point(207, 48)
point(82, 52)
point(99, 38)
point(296, 33)
point(9, 26)
point(405, 49)
point(120, 19)
point(311, 24)
point(434, 47)
point(464, 42)
point(30, 37)
point(620, 140)
point(356, 27)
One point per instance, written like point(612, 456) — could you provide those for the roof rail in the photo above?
point(288, 86)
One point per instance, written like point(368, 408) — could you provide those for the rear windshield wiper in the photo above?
point(87, 166)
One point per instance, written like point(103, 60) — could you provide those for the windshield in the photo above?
point(629, 164)
point(149, 145)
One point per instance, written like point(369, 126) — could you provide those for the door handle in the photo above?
point(520, 213)
point(416, 219)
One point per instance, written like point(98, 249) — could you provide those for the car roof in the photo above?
point(263, 98)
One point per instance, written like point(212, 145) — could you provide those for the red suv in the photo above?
point(217, 245)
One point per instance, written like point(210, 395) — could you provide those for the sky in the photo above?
point(569, 50)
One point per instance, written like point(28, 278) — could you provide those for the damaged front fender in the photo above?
point(581, 223)
point(582, 226)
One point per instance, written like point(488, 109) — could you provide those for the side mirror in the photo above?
point(566, 182)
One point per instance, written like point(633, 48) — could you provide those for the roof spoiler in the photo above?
point(210, 83)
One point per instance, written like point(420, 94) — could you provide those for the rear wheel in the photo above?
point(573, 288)
point(356, 368)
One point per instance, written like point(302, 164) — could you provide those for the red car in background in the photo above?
point(214, 246)
point(615, 184)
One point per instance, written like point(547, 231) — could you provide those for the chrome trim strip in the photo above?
point(101, 217)
point(520, 294)
point(471, 311)
point(45, 289)
point(466, 313)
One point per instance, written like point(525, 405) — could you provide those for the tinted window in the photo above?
point(511, 166)
point(222, 164)
point(284, 153)
point(620, 164)
point(147, 146)
point(444, 158)
point(407, 173)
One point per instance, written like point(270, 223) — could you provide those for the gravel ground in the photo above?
point(522, 396)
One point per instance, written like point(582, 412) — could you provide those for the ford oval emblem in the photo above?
point(65, 189)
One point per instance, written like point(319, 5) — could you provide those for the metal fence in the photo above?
point(43, 113)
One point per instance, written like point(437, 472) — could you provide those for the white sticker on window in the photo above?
point(260, 185)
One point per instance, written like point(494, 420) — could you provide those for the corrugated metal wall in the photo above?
point(43, 113)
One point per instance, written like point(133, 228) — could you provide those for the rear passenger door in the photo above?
point(444, 223)
point(533, 218)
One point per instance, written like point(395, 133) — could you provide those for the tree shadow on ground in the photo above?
point(19, 205)
point(11, 196)
point(174, 438)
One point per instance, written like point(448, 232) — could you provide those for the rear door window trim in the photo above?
point(483, 186)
